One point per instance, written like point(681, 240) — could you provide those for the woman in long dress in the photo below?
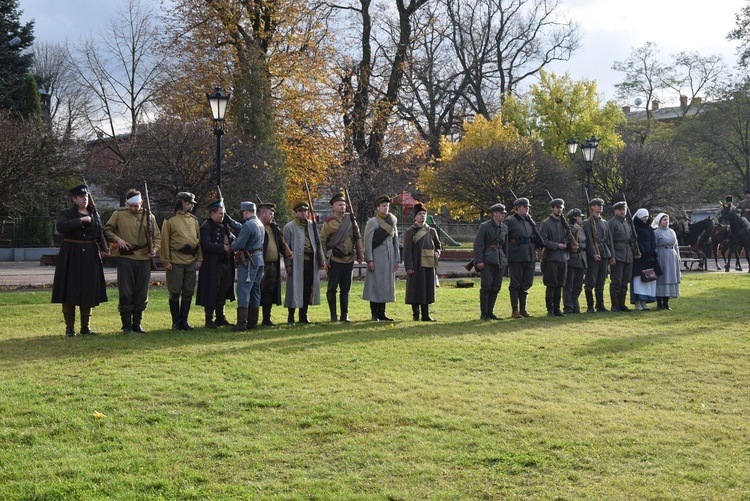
point(668, 252)
point(642, 293)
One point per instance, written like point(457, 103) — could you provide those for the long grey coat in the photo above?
point(668, 254)
point(295, 238)
point(380, 285)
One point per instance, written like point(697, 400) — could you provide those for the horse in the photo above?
point(694, 235)
point(720, 246)
point(739, 235)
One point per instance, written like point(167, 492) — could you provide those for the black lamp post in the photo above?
point(588, 151)
point(218, 100)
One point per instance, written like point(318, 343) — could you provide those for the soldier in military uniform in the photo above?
point(744, 208)
point(622, 270)
point(274, 248)
point(303, 278)
point(129, 229)
point(421, 254)
point(490, 244)
point(79, 275)
point(522, 240)
point(382, 257)
point(216, 276)
point(555, 256)
point(599, 254)
point(576, 264)
point(249, 244)
point(341, 248)
point(182, 257)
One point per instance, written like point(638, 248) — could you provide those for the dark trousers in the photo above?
point(269, 285)
point(619, 278)
point(308, 281)
point(553, 274)
point(521, 277)
point(226, 282)
point(340, 277)
point(596, 274)
point(133, 278)
point(573, 288)
point(491, 278)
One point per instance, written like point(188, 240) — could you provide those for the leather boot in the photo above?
point(623, 302)
point(426, 313)
point(568, 303)
point(174, 309)
point(344, 300)
point(210, 324)
point(381, 313)
point(614, 299)
point(290, 316)
point(303, 315)
point(86, 322)
point(221, 318)
point(522, 304)
point(137, 319)
point(549, 301)
point(267, 316)
point(557, 299)
point(665, 303)
point(484, 298)
point(184, 312)
point(252, 318)
point(590, 301)
point(659, 303)
point(69, 314)
point(514, 302)
point(600, 301)
point(415, 312)
point(331, 297)
point(241, 324)
point(127, 322)
point(374, 310)
point(491, 300)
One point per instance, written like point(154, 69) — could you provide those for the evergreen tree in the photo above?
point(31, 104)
point(14, 63)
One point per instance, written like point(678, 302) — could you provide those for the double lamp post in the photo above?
point(218, 100)
point(588, 151)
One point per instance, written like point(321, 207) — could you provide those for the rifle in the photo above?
point(633, 236)
point(100, 238)
point(316, 235)
point(355, 228)
point(570, 240)
point(149, 223)
point(593, 226)
point(277, 233)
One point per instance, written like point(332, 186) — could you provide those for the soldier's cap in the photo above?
point(728, 199)
point(419, 207)
point(301, 206)
point(575, 213)
point(81, 189)
point(381, 199)
point(186, 196)
point(498, 208)
point(247, 206)
point(215, 204)
point(522, 201)
point(620, 205)
point(557, 202)
point(596, 201)
point(267, 205)
point(337, 197)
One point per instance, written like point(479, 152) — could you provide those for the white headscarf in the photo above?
point(657, 219)
point(640, 213)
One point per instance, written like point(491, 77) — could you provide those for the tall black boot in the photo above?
point(665, 302)
point(374, 311)
point(590, 301)
point(557, 299)
point(426, 313)
point(568, 302)
point(69, 314)
point(210, 324)
point(659, 303)
point(522, 296)
point(549, 301)
point(290, 316)
point(241, 324)
point(137, 322)
point(267, 315)
point(491, 300)
point(600, 301)
point(484, 298)
point(86, 322)
point(184, 312)
point(252, 318)
point(381, 314)
point(514, 304)
point(174, 309)
point(623, 302)
point(127, 322)
point(344, 300)
point(221, 318)
point(415, 312)
point(303, 315)
point(331, 297)
point(614, 299)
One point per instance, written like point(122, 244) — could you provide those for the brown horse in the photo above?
point(720, 247)
point(738, 235)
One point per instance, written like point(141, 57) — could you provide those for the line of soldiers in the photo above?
point(576, 256)
point(205, 257)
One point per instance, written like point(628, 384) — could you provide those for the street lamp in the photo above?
point(218, 100)
point(588, 151)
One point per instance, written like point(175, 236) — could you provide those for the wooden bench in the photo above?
point(688, 258)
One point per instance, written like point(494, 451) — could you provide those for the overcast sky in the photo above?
point(611, 29)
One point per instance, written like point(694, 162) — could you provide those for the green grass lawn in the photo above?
point(650, 405)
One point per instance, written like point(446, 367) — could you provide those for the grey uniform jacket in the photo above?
point(490, 244)
point(602, 241)
point(620, 232)
point(553, 232)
